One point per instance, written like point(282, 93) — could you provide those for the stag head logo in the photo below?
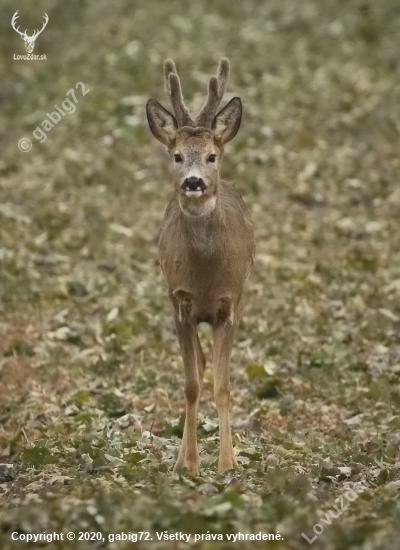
point(29, 40)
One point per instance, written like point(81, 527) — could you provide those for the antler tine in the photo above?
point(174, 92)
point(13, 23)
point(44, 24)
point(181, 111)
point(207, 113)
point(216, 90)
point(169, 67)
point(223, 76)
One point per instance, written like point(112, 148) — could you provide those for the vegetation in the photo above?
point(91, 380)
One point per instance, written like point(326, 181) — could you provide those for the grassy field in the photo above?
point(91, 382)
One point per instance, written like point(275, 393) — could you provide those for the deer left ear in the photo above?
point(162, 124)
point(226, 123)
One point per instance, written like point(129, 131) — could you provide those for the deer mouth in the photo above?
point(196, 193)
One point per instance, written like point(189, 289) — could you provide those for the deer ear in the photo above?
point(227, 122)
point(162, 124)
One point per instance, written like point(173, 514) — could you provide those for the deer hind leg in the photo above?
point(223, 335)
point(188, 341)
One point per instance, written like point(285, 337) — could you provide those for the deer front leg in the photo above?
point(223, 335)
point(188, 341)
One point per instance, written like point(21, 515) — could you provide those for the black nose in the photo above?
point(193, 184)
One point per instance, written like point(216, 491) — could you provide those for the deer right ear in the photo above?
point(162, 124)
point(226, 123)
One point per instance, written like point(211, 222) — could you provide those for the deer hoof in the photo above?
point(227, 464)
point(191, 466)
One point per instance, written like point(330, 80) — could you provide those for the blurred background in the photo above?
point(91, 383)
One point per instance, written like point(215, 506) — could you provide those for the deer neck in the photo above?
point(201, 221)
point(199, 211)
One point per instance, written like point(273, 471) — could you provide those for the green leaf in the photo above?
point(255, 370)
point(39, 456)
point(135, 457)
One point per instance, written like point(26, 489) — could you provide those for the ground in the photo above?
point(91, 398)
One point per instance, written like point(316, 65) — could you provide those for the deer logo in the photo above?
point(29, 40)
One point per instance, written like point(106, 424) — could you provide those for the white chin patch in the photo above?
point(197, 193)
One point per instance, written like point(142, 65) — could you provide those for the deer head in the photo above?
point(29, 40)
point(195, 145)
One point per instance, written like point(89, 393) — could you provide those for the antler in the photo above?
point(13, 22)
point(216, 89)
point(37, 32)
point(174, 92)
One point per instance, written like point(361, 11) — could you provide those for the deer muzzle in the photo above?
point(193, 187)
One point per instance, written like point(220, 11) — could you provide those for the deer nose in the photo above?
point(193, 184)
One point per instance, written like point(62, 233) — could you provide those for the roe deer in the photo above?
point(206, 246)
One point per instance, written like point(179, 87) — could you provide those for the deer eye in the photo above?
point(211, 158)
point(177, 158)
